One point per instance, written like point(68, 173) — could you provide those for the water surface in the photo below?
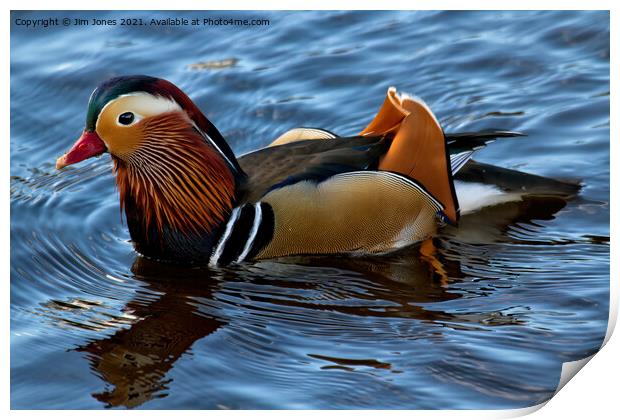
point(484, 320)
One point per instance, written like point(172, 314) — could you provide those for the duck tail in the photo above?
point(512, 181)
point(461, 146)
point(418, 149)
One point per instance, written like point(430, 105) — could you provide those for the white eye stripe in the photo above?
point(149, 104)
point(141, 104)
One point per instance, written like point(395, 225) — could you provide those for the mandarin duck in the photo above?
point(188, 199)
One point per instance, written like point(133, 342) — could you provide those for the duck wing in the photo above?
point(307, 160)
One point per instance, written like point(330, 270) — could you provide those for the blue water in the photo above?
point(511, 294)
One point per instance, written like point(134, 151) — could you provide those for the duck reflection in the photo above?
point(493, 224)
point(135, 361)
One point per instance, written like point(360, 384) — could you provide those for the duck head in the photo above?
point(174, 170)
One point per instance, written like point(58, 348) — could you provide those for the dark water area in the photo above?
point(485, 321)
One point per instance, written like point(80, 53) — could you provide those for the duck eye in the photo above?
point(126, 118)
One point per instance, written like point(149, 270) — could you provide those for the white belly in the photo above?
point(474, 196)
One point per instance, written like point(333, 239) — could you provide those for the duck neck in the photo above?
point(177, 196)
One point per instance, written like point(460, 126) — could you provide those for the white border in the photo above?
point(593, 395)
point(315, 5)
